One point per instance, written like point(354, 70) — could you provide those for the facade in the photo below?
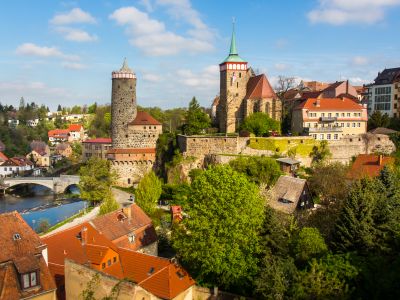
point(39, 158)
point(23, 261)
point(76, 132)
point(134, 134)
point(329, 119)
point(57, 136)
point(64, 149)
point(95, 147)
point(383, 94)
point(16, 166)
point(290, 194)
point(243, 93)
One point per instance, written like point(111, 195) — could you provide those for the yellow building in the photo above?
point(329, 118)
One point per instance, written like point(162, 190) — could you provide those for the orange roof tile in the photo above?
point(21, 251)
point(3, 157)
point(58, 132)
point(329, 104)
point(369, 165)
point(258, 87)
point(75, 127)
point(143, 118)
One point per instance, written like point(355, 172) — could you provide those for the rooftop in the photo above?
point(258, 87)
point(233, 53)
point(388, 76)
point(332, 104)
point(286, 193)
point(75, 127)
point(144, 118)
point(369, 165)
point(99, 141)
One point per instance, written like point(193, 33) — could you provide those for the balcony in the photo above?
point(328, 119)
point(323, 129)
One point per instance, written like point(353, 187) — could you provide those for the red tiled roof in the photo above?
point(369, 165)
point(75, 127)
point(132, 151)
point(3, 157)
point(58, 132)
point(143, 118)
point(258, 87)
point(99, 141)
point(313, 94)
point(117, 224)
point(329, 104)
point(23, 254)
point(18, 161)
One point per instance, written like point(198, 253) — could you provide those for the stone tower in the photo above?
point(123, 105)
point(233, 81)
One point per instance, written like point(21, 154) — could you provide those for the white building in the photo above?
point(15, 166)
point(383, 94)
point(32, 123)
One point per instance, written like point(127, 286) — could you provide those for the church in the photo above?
point(242, 93)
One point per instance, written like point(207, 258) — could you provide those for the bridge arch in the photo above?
point(14, 182)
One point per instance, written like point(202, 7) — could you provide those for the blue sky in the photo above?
point(63, 52)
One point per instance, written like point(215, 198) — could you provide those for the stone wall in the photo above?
point(130, 172)
point(199, 145)
point(143, 136)
point(123, 110)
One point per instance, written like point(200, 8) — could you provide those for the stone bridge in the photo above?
point(57, 184)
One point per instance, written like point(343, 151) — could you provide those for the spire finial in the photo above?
point(125, 66)
point(233, 50)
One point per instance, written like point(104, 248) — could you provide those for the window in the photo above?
point(109, 262)
point(348, 124)
point(131, 238)
point(337, 114)
point(240, 75)
point(329, 115)
point(321, 136)
point(328, 136)
point(341, 124)
point(114, 259)
point(103, 265)
point(29, 280)
point(348, 114)
point(342, 114)
point(144, 127)
point(335, 136)
point(322, 114)
point(354, 124)
point(358, 124)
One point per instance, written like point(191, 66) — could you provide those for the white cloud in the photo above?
point(152, 37)
point(359, 61)
point(76, 35)
point(30, 49)
point(207, 78)
point(281, 43)
point(339, 12)
point(358, 81)
point(74, 16)
point(147, 5)
point(73, 65)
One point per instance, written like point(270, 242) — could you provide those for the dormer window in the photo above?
point(131, 238)
point(16, 236)
point(29, 280)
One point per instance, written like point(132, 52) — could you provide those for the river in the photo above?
point(40, 204)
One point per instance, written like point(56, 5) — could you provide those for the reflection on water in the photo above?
point(41, 204)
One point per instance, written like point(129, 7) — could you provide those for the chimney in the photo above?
point(127, 211)
point(347, 86)
point(380, 159)
point(318, 103)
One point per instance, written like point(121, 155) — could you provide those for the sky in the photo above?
point(63, 52)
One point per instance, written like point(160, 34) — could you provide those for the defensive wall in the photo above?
point(221, 149)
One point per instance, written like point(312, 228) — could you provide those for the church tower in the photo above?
point(233, 81)
point(123, 105)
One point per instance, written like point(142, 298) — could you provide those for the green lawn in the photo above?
point(303, 146)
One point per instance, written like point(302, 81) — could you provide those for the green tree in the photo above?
point(260, 124)
point(219, 242)
point(320, 153)
point(108, 205)
point(378, 120)
point(308, 244)
point(96, 180)
point(330, 277)
point(355, 229)
point(148, 192)
point(92, 108)
point(196, 119)
point(43, 226)
point(260, 169)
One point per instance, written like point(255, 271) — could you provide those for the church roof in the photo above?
point(258, 87)
point(233, 53)
point(144, 118)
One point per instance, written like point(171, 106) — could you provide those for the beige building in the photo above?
point(95, 147)
point(329, 119)
point(40, 159)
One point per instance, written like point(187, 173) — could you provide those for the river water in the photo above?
point(40, 205)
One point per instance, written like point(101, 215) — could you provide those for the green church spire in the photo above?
point(233, 53)
point(233, 50)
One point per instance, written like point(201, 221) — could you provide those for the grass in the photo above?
point(67, 220)
point(303, 146)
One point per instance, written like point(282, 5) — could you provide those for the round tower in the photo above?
point(123, 105)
